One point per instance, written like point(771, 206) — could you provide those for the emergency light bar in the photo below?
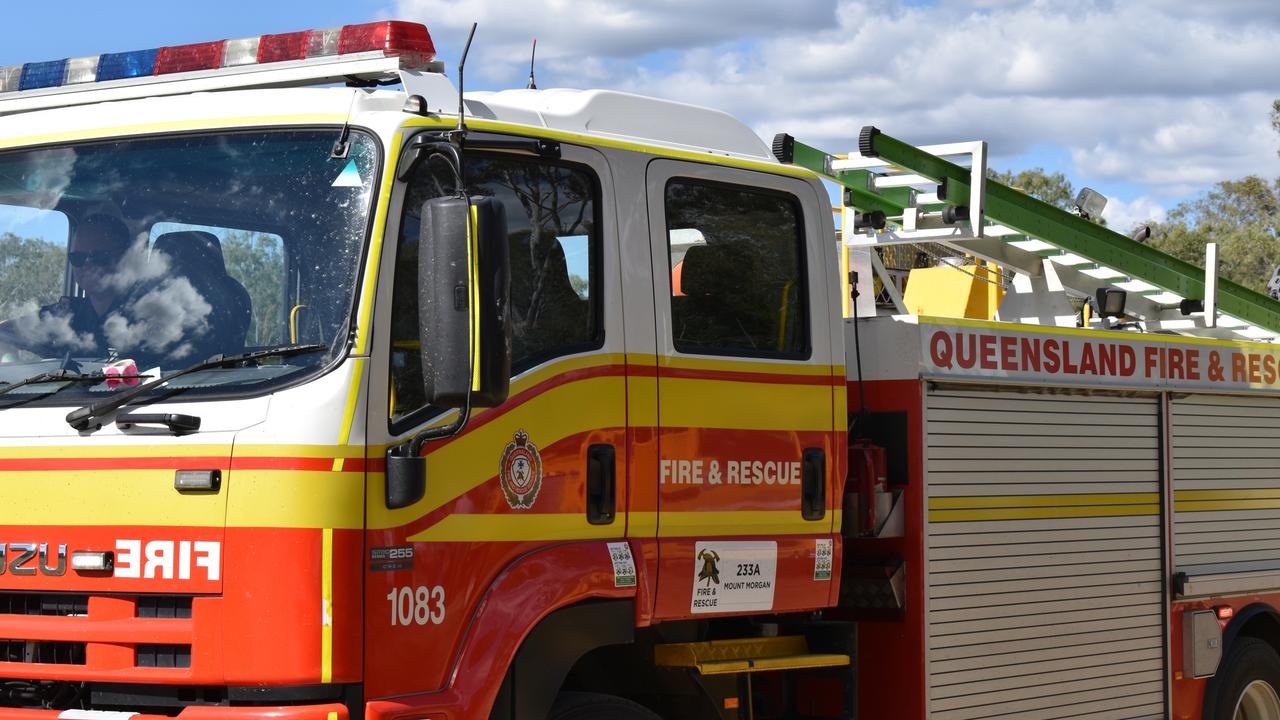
point(409, 42)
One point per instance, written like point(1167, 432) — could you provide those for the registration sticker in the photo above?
point(733, 576)
point(624, 565)
point(822, 554)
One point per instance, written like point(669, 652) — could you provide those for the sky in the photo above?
point(1150, 102)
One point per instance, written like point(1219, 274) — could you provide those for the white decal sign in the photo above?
point(733, 576)
point(1099, 359)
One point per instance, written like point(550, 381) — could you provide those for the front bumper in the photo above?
point(329, 711)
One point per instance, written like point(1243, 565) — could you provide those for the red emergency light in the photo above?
point(393, 38)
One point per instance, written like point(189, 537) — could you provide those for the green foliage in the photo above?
point(30, 271)
point(257, 261)
point(1053, 188)
point(1275, 118)
point(1242, 216)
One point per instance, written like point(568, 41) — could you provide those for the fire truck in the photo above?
point(327, 400)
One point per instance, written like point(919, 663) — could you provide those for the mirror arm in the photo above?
point(414, 444)
point(423, 147)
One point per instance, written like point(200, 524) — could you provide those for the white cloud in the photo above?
point(1123, 216)
point(1170, 95)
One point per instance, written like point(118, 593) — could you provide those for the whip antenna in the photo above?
point(462, 125)
point(532, 55)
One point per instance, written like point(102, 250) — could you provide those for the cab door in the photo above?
point(747, 436)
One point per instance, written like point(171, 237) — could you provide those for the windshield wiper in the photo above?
point(84, 418)
point(67, 376)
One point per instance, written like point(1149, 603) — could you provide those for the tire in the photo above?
point(1247, 684)
point(597, 706)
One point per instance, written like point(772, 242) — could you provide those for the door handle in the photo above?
point(813, 487)
point(602, 484)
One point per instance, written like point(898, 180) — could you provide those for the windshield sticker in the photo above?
point(624, 565)
point(349, 177)
point(733, 576)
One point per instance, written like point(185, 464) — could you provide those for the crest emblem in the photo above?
point(520, 472)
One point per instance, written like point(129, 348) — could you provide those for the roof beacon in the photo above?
point(409, 42)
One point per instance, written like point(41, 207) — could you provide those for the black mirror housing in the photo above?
point(406, 477)
point(464, 287)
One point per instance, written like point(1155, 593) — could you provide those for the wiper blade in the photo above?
point(67, 376)
point(85, 418)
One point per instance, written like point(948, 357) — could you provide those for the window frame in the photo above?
point(595, 282)
point(802, 250)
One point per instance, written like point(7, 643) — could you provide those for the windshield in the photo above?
point(147, 256)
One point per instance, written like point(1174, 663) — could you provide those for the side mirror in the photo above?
point(406, 476)
point(464, 299)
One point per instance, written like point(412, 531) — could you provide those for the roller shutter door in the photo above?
point(1044, 555)
point(1226, 481)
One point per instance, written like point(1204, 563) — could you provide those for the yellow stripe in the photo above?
point(461, 527)
point(738, 522)
point(724, 365)
point(306, 451)
point(333, 715)
point(367, 287)
point(1240, 494)
point(473, 279)
point(1039, 513)
point(1207, 505)
point(461, 465)
point(105, 498)
point(599, 141)
point(689, 402)
point(353, 395)
point(1096, 334)
point(174, 126)
point(1011, 501)
point(326, 598)
point(218, 450)
point(508, 527)
point(292, 499)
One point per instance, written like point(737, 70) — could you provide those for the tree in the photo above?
point(257, 261)
point(1242, 216)
point(31, 271)
point(1053, 188)
point(1275, 118)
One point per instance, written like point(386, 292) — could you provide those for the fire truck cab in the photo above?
point(402, 404)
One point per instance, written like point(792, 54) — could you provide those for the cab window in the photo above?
point(737, 271)
point(554, 240)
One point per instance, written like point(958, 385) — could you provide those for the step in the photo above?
point(724, 657)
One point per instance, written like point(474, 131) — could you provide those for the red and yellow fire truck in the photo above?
point(328, 401)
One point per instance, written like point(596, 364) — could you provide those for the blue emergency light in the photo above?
point(409, 41)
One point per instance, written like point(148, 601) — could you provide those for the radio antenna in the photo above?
point(462, 125)
point(532, 55)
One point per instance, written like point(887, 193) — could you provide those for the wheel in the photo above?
point(1247, 684)
point(597, 706)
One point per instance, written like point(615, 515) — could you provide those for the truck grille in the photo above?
point(164, 606)
point(40, 615)
point(163, 656)
point(56, 604)
point(39, 651)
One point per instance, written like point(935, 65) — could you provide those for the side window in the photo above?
point(554, 239)
point(737, 271)
point(33, 259)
